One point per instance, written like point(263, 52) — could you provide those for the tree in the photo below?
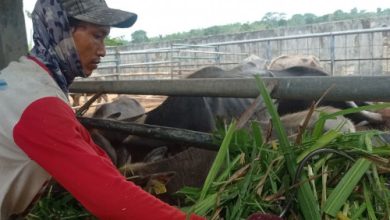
point(115, 41)
point(139, 36)
point(245, 27)
point(340, 15)
point(214, 30)
point(273, 19)
point(309, 18)
point(354, 12)
point(296, 20)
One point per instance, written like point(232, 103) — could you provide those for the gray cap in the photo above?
point(97, 12)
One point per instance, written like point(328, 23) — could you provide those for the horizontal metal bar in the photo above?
point(159, 65)
point(157, 50)
point(107, 66)
point(109, 61)
point(195, 138)
point(151, 51)
point(213, 52)
point(293, 37)
point(358, 88)
point(103, 75)
point(360, 59)
point(146, 63)
point(193, 58)
point(183, 46)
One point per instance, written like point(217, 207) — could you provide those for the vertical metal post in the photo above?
point(332, 54)
point(117, 59)
point(196, 60)
point(147, 60)
point(371, 42)
point(179, 63)
point(171, 59)
point(269, 50)
point(217, 55)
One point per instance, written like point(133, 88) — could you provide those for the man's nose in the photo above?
point(102, 50)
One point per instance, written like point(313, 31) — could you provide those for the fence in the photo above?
point(173, 62)
point(356, 52)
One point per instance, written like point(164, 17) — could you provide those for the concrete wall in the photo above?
point(371, 52)
point(13, 40)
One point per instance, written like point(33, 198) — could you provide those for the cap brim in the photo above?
point(109, 17)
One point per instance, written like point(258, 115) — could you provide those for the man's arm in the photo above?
point(49, 134)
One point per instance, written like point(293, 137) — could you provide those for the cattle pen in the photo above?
point(355, 74)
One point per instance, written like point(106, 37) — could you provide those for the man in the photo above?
point(40, 138)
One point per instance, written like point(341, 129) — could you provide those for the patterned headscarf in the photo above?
point(54, 44)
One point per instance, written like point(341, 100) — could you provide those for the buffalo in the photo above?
point(122, 108)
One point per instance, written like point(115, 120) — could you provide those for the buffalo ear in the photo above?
point(114, 115)
point(156, 154)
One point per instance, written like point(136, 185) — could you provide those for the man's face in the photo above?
point(89, 41)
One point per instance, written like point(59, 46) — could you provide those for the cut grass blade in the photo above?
point(358, 213)
point(277, 124)
point(344, 188)
point(217, 164)
point(321, 142)
point(306, 200)
point(367, 198)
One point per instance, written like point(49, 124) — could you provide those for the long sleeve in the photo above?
point(49, 134)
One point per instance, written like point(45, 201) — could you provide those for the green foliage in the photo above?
point(115, 41)
point(273, 19)
point(139, 36)
point(58, 206)
point(254, 177)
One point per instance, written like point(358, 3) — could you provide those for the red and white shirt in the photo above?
point(40, 139)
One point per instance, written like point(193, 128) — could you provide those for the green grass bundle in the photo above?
point(327, 175)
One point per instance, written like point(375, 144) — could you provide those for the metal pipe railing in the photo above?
point(358, 88)
point(293, 37)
